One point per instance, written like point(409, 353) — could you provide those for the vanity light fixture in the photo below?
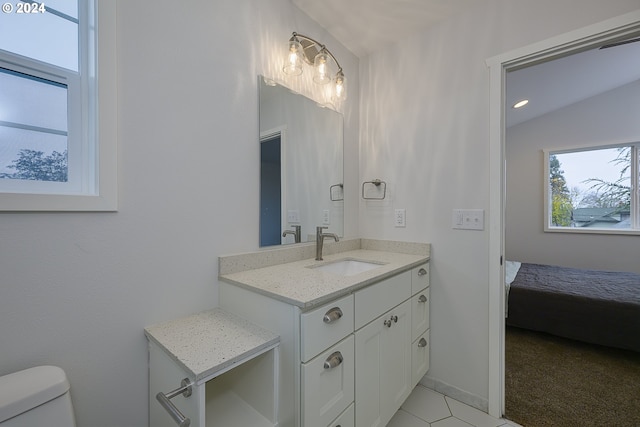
point(302, 48)
point(521, 104)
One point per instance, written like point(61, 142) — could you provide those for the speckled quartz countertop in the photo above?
point(209, 342)
point(300, 284)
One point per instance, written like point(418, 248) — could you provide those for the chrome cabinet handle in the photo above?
point(422, 342)
point(332, 315)
point(422, 272)
point(422, 298)
point(163, 399)
point(390, 321)
point(334, 360)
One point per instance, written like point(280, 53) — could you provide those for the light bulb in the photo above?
point(341, 87)
point(293, 62)
point(321, 74)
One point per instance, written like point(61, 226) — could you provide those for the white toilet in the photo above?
point(36, 397)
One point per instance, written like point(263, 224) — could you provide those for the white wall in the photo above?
point(77, 289)
point(425, 130)
point(608, 118)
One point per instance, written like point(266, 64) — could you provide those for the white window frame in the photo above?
point(92, 125)
point(635, 193)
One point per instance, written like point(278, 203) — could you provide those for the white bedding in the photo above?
point(510, 270)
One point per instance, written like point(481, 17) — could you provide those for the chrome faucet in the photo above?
point(320, 240)
point(296, 233)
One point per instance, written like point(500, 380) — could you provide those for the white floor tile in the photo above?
point(405, 419)
point(426, 404)
point(472, 415)
point(450, 422)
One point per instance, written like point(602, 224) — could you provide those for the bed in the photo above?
point(599, 307)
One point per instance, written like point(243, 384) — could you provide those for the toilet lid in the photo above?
point(24, 390)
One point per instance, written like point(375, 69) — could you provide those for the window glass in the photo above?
point(32, 155)
point(33, 128)
point(29, 100)
point(43, 36)
point(592, 188)
point(66, 7)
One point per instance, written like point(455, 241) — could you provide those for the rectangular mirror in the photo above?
point(301, 166)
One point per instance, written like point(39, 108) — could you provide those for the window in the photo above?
point(51, 154)
point(593, 190)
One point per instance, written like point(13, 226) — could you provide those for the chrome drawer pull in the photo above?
point(422, 272)
point(422, 298)
point(422, 342)
point(334, 314)
point(334, 360)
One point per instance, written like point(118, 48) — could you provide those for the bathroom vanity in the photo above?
point(218, 369)
point(348, 324)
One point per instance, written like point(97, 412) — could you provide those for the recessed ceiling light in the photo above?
point(520, 104)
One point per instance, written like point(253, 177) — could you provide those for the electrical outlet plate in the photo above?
point(400, 218)
point(326, 217)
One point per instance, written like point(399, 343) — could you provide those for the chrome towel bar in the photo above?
point(165, 402)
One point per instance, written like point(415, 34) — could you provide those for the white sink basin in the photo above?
point(347, 266)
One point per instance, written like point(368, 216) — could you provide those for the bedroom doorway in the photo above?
point(616, 29)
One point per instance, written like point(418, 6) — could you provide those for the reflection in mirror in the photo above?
point(301, 167)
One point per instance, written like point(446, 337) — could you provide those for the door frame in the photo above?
point(281, 132)
point(575, 41)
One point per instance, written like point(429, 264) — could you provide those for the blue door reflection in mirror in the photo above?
point(270, 193)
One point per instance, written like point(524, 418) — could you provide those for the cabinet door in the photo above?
point(383, 357)
point(328, 384)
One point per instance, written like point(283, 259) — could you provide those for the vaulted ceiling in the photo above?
point(366, 26)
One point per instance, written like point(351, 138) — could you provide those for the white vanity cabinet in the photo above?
point(334, 356)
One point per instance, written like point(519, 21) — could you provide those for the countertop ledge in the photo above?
point(295, 283)
point(210, 342)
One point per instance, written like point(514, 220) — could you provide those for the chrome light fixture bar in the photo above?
point(302, 48)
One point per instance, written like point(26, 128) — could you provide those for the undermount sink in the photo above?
point(347, 266)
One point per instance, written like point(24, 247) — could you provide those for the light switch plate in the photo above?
point(468, 219)
point(326, 217)
point(293, 216)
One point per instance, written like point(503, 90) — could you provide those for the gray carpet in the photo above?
point(552, 381)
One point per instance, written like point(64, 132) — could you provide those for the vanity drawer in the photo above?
point(346, 419)
point(328, 384)
point(419, 313)
point(419, 278)
point(371, 301)
point(325, 326)
point(419, 358)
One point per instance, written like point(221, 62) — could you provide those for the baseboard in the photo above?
point(455, 393)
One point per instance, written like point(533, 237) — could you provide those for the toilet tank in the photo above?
point(36, 397)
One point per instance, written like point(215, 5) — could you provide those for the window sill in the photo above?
point(582, 230)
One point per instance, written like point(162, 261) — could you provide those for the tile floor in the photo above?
point(427, 408)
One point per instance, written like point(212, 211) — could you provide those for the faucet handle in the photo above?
point(320, 228)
